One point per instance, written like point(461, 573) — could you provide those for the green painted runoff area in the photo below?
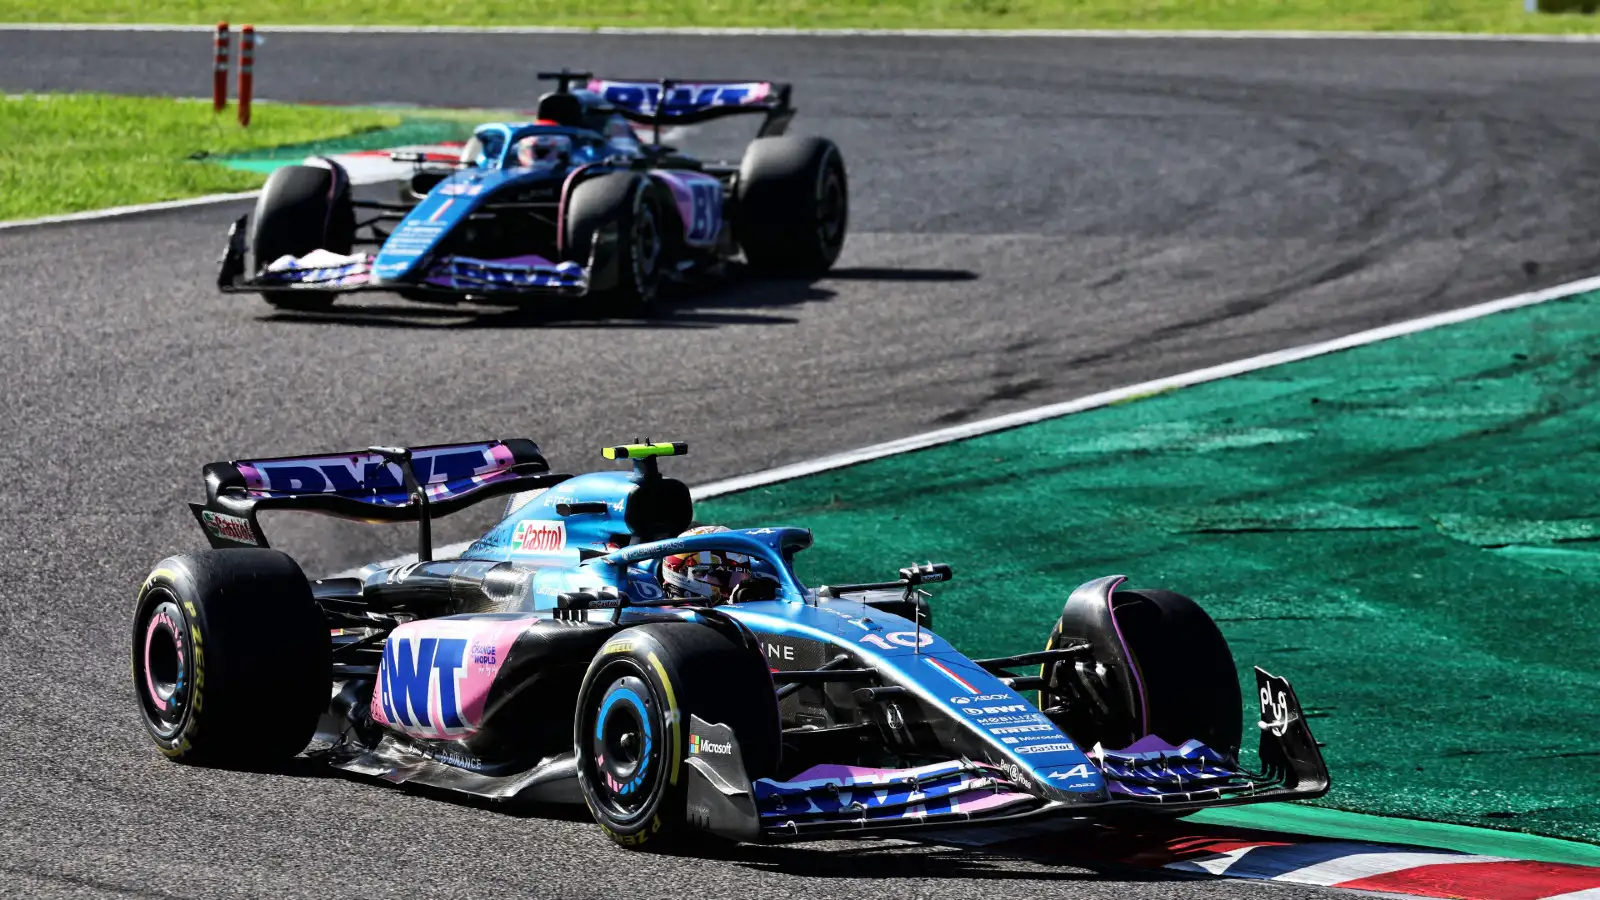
point(410, 132)
point(1408, 530)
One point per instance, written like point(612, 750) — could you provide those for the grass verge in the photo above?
point(1353, 15)
point(71, 152)
point(1407, 530)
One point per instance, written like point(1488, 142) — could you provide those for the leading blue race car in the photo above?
point(556, 661)
point(572, 204)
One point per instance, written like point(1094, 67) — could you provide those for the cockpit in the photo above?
point(540, 144)
point(573, 127)
point(541, 150)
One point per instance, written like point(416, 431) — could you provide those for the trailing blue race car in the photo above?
point(590, 649)
point(572, 204)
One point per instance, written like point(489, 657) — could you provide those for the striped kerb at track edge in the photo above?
point(645, 451)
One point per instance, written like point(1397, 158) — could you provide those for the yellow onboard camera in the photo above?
point(645, 451)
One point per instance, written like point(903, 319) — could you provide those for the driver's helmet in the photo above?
point(704, 576)
point(537, 149)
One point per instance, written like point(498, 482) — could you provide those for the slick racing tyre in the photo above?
point(1178, 656)
point(793, 205)
point(301, 209)
point(618, 223)
point(230, 658)
point(631, 732)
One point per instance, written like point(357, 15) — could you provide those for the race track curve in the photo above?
point(1033, 220)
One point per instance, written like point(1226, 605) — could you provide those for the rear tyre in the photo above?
point(622, 215)
point(631, 732)
point(231, 658)
point(1191, 687)
point(301, 209)
point(793, 205)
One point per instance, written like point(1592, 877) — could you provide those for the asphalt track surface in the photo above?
point(1033, 220)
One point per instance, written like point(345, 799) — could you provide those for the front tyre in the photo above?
point(231, 658)
point(793, 205)
point(617, 229)
point(631, 732)
point(1183, 684)
point(301, 209)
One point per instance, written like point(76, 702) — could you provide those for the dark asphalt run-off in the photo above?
point(1032, 220)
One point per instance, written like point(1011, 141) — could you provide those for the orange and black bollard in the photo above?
point(247, 76)
point(219, 73)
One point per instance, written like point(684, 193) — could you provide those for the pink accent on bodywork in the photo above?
point(859, 778)
point(252, 478)
point(561, 211)
point(474, 682)
point(678, 181)
point(1133, 664)
point(987, 802)
point(1149, 744)
point(525, 260)
point(149, 635)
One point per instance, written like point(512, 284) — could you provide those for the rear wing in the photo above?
point(380, 484)
point(666, 102)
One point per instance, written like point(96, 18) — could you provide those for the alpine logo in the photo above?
point(229, 528)
point(539, 537)
point(1078, 771)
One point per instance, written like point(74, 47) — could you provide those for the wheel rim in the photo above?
point(832, 207)
point(625, 748)
point(161, 665)
point(646, 246)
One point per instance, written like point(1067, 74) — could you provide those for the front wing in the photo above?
point(831, 800)
point(326, 272)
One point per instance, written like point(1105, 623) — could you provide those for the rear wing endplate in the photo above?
point(376, 485)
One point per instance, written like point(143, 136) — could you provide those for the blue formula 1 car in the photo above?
point(571, 204)
point(588, 650)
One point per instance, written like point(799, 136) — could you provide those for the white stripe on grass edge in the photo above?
point(115, 211)
point(360, 175)
point(1093, 401)
point(1053, 33)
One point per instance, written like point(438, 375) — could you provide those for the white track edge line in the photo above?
point(115, 211)
point(1093, 401)
point(1053, 33)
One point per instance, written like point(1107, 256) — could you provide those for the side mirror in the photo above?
point(754, 589)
